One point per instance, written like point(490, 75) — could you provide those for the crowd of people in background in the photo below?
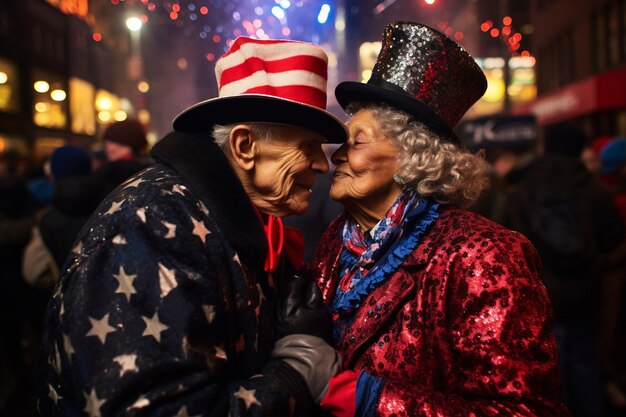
point(566, 193)
point(43, 206)
point(42, 209)
point(537, 186)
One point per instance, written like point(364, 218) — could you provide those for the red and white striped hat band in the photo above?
point(284, 69)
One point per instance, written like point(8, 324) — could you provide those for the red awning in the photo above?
point(605, 91)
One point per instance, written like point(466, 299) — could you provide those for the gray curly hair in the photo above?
point(436, 168)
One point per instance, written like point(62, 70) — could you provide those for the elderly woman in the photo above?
point(436, 310)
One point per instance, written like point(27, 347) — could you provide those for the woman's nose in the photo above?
point(339, 155)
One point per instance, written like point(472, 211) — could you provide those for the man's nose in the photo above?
point(320, 163)
point(339, 155)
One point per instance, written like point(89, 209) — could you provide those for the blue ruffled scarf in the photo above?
point(368, 259)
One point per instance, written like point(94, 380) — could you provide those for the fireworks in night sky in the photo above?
point(219, 23)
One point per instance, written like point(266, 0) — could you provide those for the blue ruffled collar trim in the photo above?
point(415, 225)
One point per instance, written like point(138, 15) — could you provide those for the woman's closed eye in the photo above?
point(360, 139)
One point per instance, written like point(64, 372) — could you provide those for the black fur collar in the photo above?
point(203, 165)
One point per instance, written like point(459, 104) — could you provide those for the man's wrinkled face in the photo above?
point(285, 169)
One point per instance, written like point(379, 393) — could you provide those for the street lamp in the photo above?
point(135, 62)
point(134, 24)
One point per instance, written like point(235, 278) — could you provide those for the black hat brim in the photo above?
point(386, 93)
point(261, 109)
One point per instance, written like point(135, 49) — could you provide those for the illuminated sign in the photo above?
point(75, 7)
point(485, 132)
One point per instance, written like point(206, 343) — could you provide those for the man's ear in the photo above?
point(243, 147)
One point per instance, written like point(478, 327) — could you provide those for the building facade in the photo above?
point(580, 48)
point(53, 88)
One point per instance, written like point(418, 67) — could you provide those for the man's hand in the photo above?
point(301, 309)
point(314, 359)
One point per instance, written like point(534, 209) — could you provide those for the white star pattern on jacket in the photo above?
point(76, 249)
point(209, 313)
point(115, 207)
point(52, 393)
point(127, 363)
point(142, 402)
point(167, 280)
point(67, 346)
point(203, 208)
point(134, 183)
point(141, 213)
point(154, 327)
point(56, 360)
point(177, 188)
point(142, 301)
point(119, 240)
point(171, 230)
point(184, 413)
point(125, 283)
point(199, 229)
point(100, 328)
point(93, 404)
point(247, 396)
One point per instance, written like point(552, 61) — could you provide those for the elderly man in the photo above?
point(167, 303)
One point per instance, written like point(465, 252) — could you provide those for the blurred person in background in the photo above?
point(612, 158)
point(125, 147)
point(169, 303)
point(575, 225)
point(591, 153)
point(612, 169)
point(510, 146)
point(437, 311)
point(76, 195)
point(20, 317)
point(125, 140)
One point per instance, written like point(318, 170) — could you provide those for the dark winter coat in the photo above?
point(75, 198)
point(553, 196)
point(165, 308)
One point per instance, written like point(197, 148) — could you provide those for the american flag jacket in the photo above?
point(163, 307)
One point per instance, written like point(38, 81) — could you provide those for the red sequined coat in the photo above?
point(462, 328)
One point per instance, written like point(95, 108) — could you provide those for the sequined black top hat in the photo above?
point(422, 72)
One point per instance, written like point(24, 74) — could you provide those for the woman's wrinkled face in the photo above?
point(365, 165)
point(285, 170)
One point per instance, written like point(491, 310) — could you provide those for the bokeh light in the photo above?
point(41, 86)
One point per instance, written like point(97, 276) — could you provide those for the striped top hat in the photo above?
point(270, 81)
point(423, 73)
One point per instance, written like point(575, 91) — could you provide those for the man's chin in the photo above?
point(298, 208)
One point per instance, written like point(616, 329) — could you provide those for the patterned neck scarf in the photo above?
point(368, 259)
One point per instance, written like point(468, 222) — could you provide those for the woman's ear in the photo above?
point(243, 147)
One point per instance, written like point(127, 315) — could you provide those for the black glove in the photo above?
point(301, 309)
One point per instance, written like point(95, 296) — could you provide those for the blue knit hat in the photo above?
point(613, 155)
point(69, 160)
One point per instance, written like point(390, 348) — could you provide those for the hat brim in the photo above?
point(355, 92)
point(261, 109)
